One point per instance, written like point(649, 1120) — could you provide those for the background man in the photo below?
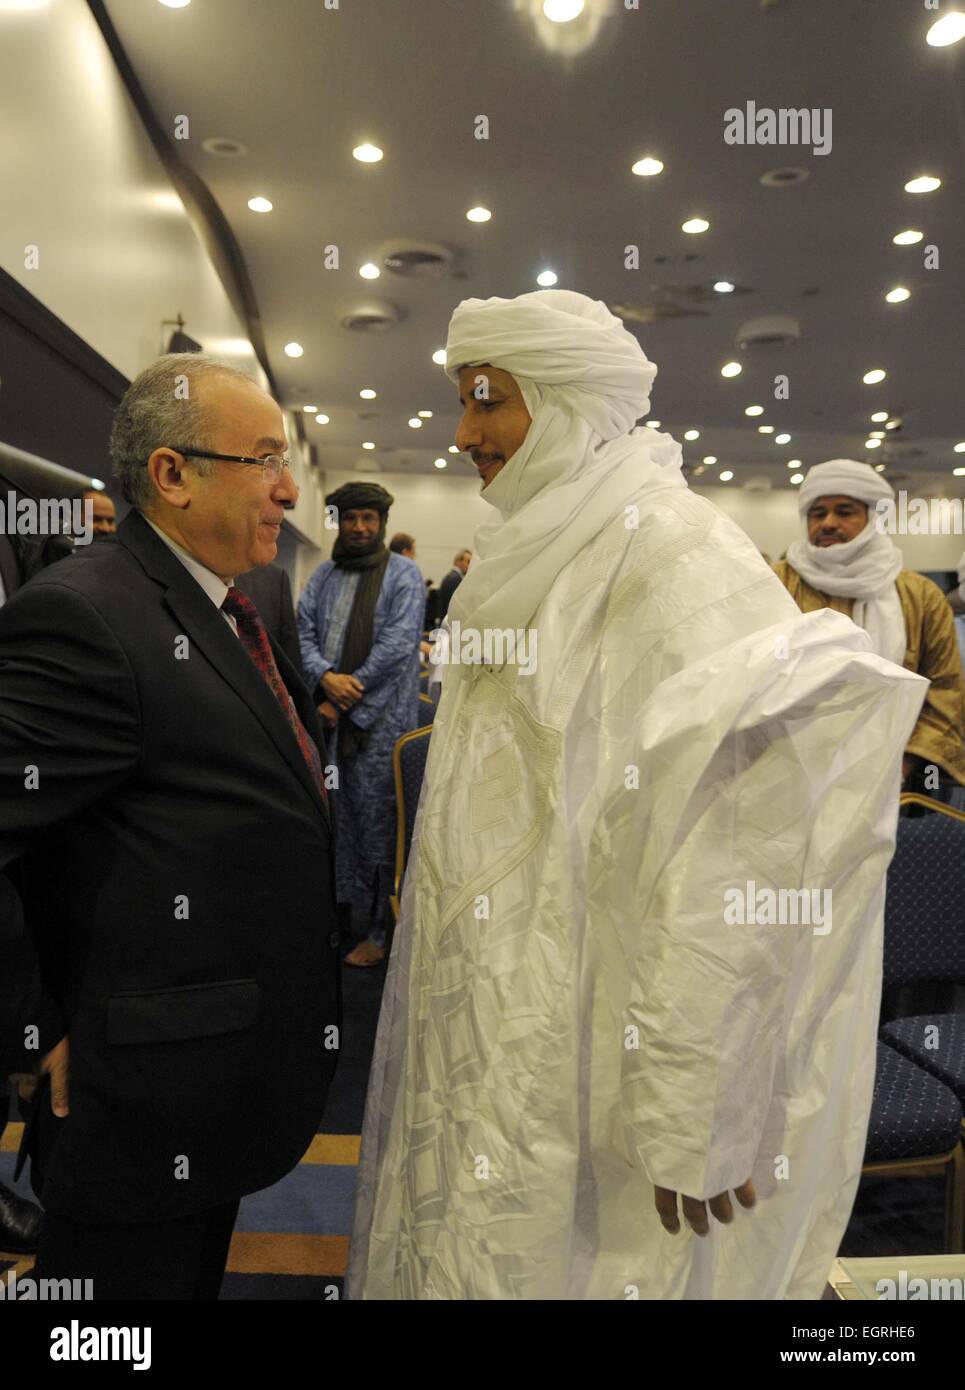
point(402, 544)
point(451, 582)
point(359, 620)
point(578, 1050)
point(160, 776)
point(848, 564)
point(104, 512)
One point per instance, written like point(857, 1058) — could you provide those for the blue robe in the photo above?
point(364, 801)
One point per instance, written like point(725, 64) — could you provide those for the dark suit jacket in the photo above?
point(447, 588)
point(177, 881)
point(271, 593)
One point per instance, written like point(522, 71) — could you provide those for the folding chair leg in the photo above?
point(955, 1204)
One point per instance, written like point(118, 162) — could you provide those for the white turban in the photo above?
point(585, 381)
point(843, 478)
point(863, 569)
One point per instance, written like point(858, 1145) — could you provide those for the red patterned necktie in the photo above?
point(254, 639)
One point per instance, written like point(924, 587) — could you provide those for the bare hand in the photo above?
point(342, 691)
point(57, 1063)
point(329, 714)
point(695, 1211)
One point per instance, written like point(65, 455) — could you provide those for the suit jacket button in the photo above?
point(334, 940)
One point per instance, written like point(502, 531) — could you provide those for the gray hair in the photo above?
point(162, 407)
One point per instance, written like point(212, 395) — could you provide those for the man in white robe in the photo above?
point(619, 981)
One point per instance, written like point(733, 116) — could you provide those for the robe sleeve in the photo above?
point(314, 664)
point(395, 647)
point(937, 736)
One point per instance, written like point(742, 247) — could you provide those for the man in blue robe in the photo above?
point(359, 625)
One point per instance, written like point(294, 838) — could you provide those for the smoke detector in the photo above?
point(759, 484)
point(418, 260)
point(370, 316)
point(223, 147)
point(772, 330)
point(785, 178)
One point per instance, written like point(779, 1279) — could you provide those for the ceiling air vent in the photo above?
point(758, 484)
point(650, 313)
point(418, 260)
point(370, 316)
point(773, 330)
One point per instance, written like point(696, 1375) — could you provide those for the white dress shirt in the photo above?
point(212, 584)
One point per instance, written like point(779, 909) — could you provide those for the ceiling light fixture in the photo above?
point(260, 205)
point(562, 11)
point(442, 463)
point(692, 434)
point(754, 410)
point(925, 183)
point(874, 376)
point(796, 478)
point(958, 472)
point(724, 287)
point(367, 154)
point(909, 238)
point(782, 439)
point(726, 476)
point(367, 393)
point(415, 423)
point(454, 450)
point(877, 434)
point(647, 167)
point(439, 357)
point(731, 369)
point(710, 460)
point(794, 463)
point(653, 424)
point(293, 349)
point(949, 29)
point(321, 419)
point(765, 429)
point(898, 295)
point(367, 444)
point(425, 414)
point(872, 444)
point(879, 417)
point(960, 448)
point(369, 271)
point(310, 409)
point(546, 278)
point(694, 225)
point(479, 214)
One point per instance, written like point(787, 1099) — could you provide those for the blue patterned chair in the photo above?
point(409, 764)
point(427, 710)
point(916, 1116)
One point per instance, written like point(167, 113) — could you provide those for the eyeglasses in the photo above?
point(271, 465)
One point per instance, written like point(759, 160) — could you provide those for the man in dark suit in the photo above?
point(160, 779)
point(271, 592)
point(451, 582)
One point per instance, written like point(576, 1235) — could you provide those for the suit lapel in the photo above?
point(206, 628)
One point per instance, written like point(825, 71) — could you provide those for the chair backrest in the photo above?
point(426, 711)
point(409, 764)
point(925, 902)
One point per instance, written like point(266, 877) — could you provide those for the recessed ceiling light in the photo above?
point(310, 409)
point(653, 424)
point(369, 271)
point(795, 463)
point(872, 444)
point(925, 183)
point(731, 369)
point(796, 478)
point(898, 295)
point(425, 414)
point(321, 419)
point(949, 29)
point(726, 476)
point(293, 349)
point(260, 205)
point(479, 214)
point(959, 472)
point(415, 423)
point(754, 410)
point(879, 417)
point(874, 376)
point(694, 225)
point(562, 11)
point(892, 424)
point(367, 393)
point(547, 278)
point(877, 434)
point(439, 357)
point(960, 448)
point(782, 439)
point(453, 449)
point(367, 444)
point(173, 4)
point(909, 238)
point(879, 467)
point(724, 287)
point(441, 463)
point(367, 154)
point(710, 460)
point(765, 429)
point(692, 434)
point(647, 167)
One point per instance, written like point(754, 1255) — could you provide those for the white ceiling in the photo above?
point(300, 84)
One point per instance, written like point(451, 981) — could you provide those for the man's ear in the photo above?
point(171, 477)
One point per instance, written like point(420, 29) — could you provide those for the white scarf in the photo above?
point(865, 570)
point(585, 381)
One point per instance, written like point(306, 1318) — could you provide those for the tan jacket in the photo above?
point(932, 651)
